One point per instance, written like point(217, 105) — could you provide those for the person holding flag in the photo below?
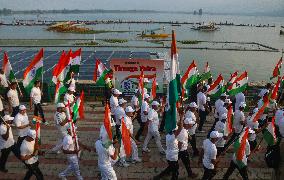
point(135, 105)
point(119, 114)
point(71, 82)
point(254, 129)
point(240, 98)
point(144, 116)
point(70, 97)
point(220, 127)
point(3, 80)
point(13, 99)
point(113, 101)
point(201, 103)
point(35, 99)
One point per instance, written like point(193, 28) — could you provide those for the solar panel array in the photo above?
point(21, 59)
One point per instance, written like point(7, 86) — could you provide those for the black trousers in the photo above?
point(252, 144)
point(18, 145)
point(33, 169)
point(202, 118)
point(220, 150)
point(38, 110)
point(208, 173)
point(140, 130)
point(233, 137)
point(172, 168)
point(163, 122)
point(5, 154)
point(117, 132)
point(184, 156)
point(15, 111)
point(2, 113)
point(192, 142)
point(233, 166)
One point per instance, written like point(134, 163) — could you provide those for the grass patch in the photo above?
point(115, 40)
point(90, 43)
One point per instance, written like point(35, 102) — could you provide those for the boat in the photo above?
point(281, 32)
point(206, 27)
point(152, 34)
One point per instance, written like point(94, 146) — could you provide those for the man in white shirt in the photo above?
point(3, 79)
point(153, 128)
point(242, 167)
point(191, 131)
point(71, 82)
point(240, 98)
point(119, 114)
point(69, 97)
point(209, 154)
point(144, 116)
point(7, 143)
point(254, 129)
point(135, 105)
point(201, 103)
point(35, 99)
point(61, 124)
point(113, 101)
point(219, 103)
point(13, 99)
point(220, 127)
point(29, 153)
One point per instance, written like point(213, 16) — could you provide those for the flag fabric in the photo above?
point(125, 136)
point(33, 72)
point(7, 68)
point(233, 78)
point(100, 73)
point(71, 125)
point(64, 67)
point(229, 123)
point(274, 94)
point(269, 133)
point(217, 88)
point(57, 69)
point(276, 71)
point(239, 85)
point(78, 108)
point(240, 148)
point(189, 78)
point(207, 74)
point(174, 55)
point(172, 93)
point(74, 64)
point(107, 121)
point(59, 90)
point(38, 132)
point(256, 116)
point(154, 89)
point(141, 89)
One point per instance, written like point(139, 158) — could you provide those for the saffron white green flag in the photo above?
point(78, 108)
point(7, 68)
point(269, 133)
point(59, 90)
point(189, 78)
point(240, 148)
point(239, 85)
point(74, 64)
point(217, 88)
point(100, 74)
point(207, 74)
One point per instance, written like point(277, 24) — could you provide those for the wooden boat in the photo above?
point(206, 27)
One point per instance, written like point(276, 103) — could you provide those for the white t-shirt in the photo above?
point(172, 148)
point(113, 104)
point(239, 117)
point(201, 100)
point(279, 114)
point(13, 95)
point(68, 97)
point(183, 138)
point(210, 152)
point(59, 118)
point(27, 148)
point(220, 127)
point(281, 127)
point(153, 117)
point(134, 101)
point(104, 154)
point(218, 103)
point(247, 152)
point(240, 97)
point(68, 144)
point(3, 80)
point(119, 113)
point(1, 105)
point(253, 126)
point(144, 107)
point(10, 141)
point(36, 95)
point(128, 123)
point(222, 110)
point(192, 116)
point(72, 83)
point(21, 120)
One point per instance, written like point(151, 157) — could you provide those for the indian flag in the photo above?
point(75, 61)
point(229, 123)
point(154, 89)
point(64, 67)
point(78, 108)
point(240, 148)
point(57, 69)
point(276, 71)
point(269, 133)
point(7, 68)
point(274, 94)
point(33, 72)
point(38, 132)
point(125, 137)
point(239, 85)
point(172, 93)
point(141, 88)
point(59, 90)
point(207, 74)
point(100, 73)
point(189, 78)
point(107, 121)
point(256, 116)
point(232, 78)
point(217, 88)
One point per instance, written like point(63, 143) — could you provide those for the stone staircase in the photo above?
point(153, 163)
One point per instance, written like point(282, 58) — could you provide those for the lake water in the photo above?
point(258, 64)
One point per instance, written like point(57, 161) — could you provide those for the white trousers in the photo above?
point(107, 173)
point(134, 150)
point(157, 137)
point(58, 146)
point(73, 167)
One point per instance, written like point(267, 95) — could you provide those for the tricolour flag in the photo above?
point(269, 133)
point(274, 94)
point(59, 90)
point(172, 93)
point(7, 68)
point(58, 68)
point(74, 64)
point(72, 126)
point(256, 116)
point(207, 74)
point(154, 89)
point(217, 88)
point(276, 71)
point(239, 85)
point(232, 78)
point(240, 148)
point(33, 72)
point(229, 123)
point(38, 132)
point(141, 88)
point(107, 121)
point(189, 78)
point(125, 136)
point(78, 108)
point(100, 73)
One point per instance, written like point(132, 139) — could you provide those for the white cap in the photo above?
point(136, 90)
point(215, 134)
point(22, 107)
point(243, 105)
point(129, 109)
point(224, 95)
point(116, 91)
point(255, 110)
point(60, 105)
point(208, 99)
point(121, 101)
point(146, 80)
point(193, 105)
point(155, 103)
point(224, 116)
point(32, 133)
point(251, 131)
point(8, 118)
point(146, 96)
point(188, 121)
point(71, 88)
point(228, 101)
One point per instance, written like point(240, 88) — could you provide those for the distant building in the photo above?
point(194, 12)
point(200, 12)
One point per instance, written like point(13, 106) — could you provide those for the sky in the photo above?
point(233, 6)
